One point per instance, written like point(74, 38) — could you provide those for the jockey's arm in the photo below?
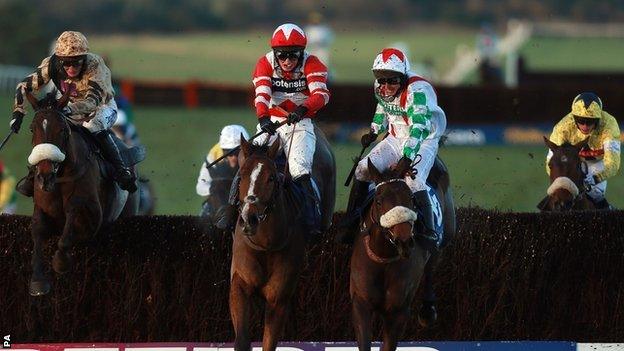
point(262, 85)
point(99, 77)
point(611, 145)
point(32, 82)
point(380, 121)
point(316, 76)
point(418, 109)
point(205, 179)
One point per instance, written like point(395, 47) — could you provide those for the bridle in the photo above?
point(387, 233)
point(583, 189)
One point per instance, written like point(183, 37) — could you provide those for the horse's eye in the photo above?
point(378, 202)
point(271, 178)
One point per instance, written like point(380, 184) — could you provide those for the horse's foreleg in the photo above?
point(362, 319)
point(428, 313)
point(240, 313)
point(39, 283)
point(82, 220)
point(393, 327)
point(275, 315)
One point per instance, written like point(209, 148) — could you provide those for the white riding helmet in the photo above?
point(70, 44)
point(391, 59)
point(230, 136)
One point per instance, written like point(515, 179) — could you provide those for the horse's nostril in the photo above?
point(253, 219)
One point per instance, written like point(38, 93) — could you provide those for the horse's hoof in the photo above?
point(61, 262)
point(427, 315)
point(39, 288)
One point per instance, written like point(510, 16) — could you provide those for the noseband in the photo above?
point(388, 234)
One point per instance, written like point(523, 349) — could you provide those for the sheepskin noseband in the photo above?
point(563, 183)
point(398, 214)
point(45, 151)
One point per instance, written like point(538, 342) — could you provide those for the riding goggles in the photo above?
point(391, 81)
point(585, 121)
point(283, 55)
point(72, 62)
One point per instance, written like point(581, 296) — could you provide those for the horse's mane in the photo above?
point(48, 101)
point(258, 149)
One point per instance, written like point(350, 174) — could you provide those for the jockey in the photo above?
point(72, 67)
point(407, 108)
point(295, 81)
point(229, 139)
point(588, 120)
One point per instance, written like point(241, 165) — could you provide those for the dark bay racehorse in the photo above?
point(269, 243)
point(567, 173)
point(388, 262)
point(71, 196)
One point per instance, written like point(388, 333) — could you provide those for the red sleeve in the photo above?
point(262, 84)
point(316, 76)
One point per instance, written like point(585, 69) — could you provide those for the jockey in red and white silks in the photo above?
point(302, 90)
point(290, 84)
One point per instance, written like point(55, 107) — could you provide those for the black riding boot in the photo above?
point(26, 185)
point(603, 205)
point(429, 236)
point(349, 224)
point(311, 206)
point(123, 176)
point(225, 217)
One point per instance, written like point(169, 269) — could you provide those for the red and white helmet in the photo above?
point(288, 34)
point(391, 59)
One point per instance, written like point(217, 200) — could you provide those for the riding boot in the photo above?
point(26, 185)
point(348, 225)
point(225, 217)
point(429, 237)
point(123, 175)
point(311, 206)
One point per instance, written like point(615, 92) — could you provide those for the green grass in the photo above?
point(503, 177)
point(584, 54)
point(231, 57)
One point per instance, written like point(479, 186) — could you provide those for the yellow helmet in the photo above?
point(71, 44)
point(587, 105)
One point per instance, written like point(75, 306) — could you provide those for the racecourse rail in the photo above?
point(506, 276)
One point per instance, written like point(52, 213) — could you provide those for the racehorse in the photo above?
point(71, 195)
point(567, 173)
point(388, 261)
point(222, 175)
point(269, 242)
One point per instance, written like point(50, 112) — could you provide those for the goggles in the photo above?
point(72, 62)
point(283, 55)
point(391, 81)
point(586, 121)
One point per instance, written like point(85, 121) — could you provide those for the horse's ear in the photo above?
point(403, 166)
point(373, 172)
point(583, 144)
point(274, 149)
point(244, 150)
point(32, 99)
point(62, 102)
point(550, 144)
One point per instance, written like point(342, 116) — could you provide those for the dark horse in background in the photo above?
point(72, 196)
point(567, 173)
point(270, 239)
point(388, 262)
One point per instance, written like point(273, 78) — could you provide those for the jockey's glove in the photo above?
point(267, 126)
point(368, 139)
point(590, 180)
point(16, 121)
point(297, 114)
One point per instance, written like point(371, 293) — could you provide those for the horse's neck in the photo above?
point(76, 154)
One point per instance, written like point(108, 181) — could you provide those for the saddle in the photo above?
point(130, 155)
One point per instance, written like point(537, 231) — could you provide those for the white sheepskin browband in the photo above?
point(563, 183)
point(45, 151)
point(399, 214)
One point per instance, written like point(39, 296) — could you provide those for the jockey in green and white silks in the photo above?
point(407, 109)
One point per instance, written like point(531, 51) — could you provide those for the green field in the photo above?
point(492, 176)
point(230, 56)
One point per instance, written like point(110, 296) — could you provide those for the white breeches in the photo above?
point(103, 119)
point(301, 155)
point(390, 150)
point(597, 192)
